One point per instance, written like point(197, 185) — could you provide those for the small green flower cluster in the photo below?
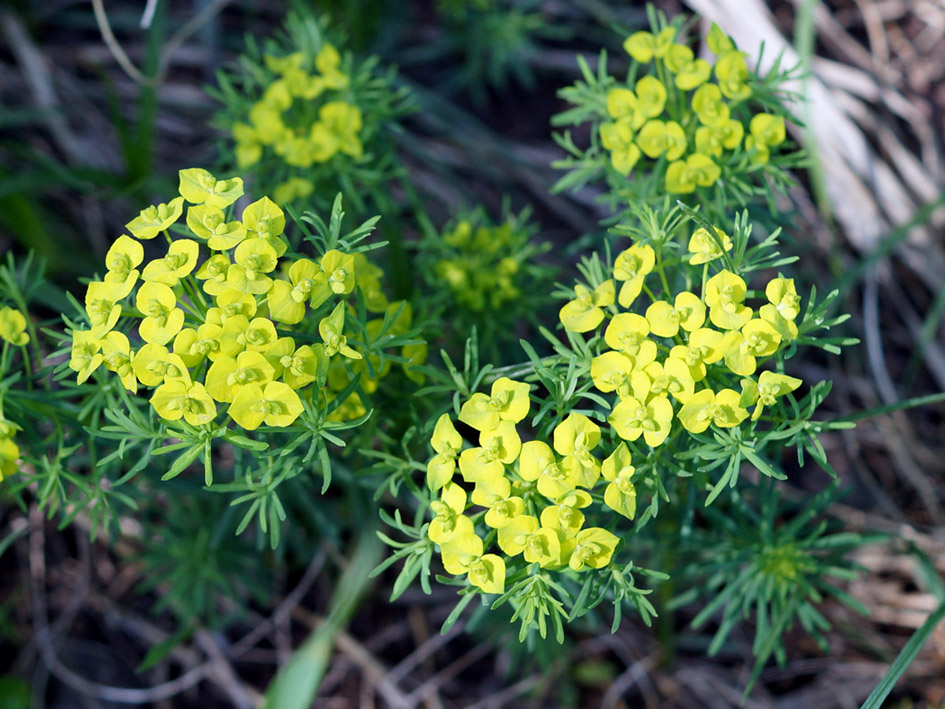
point(12, 332)
point(681, 116)
point(480, 264)
point(308, 118)
point(216, 297)
point(295, 121)
point(653, 359)
point(527, 497)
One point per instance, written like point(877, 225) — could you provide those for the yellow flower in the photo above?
point(704, 248)
point(301, 368)
point(122, 261)
point(86, 352)
point(631, 418)
point(657, 137)
point(770, 387)
point(718, 42)
point(539, 544)
point(102, 302)
point(116, 356)
point(331, 329)
point(462, 554)
point(766, 132)
point(306, 283)
point(292, 189)
point(782, 294)
point(687, 312)
point(231, 303)
point(206, 342)
point(162, 319)
point(210, 223)
point(670, 377)
point(631, 267)
point(198, 186)
point(266, 120)
point(496, 494)
point(576, 437)
point(343, 121)
point(328, 61)
point(594, 547)
point(496, 446)
point(538, 462)
point(585, 312)
point(683, 176)
point(565, 515)
point(177, 398)
point(339, 270)
point(240, 333)
point(704, 347)
point(643, 46)
point(13, 327)
point(725, 295)
point(180, 260)
point(706, 407)
point(248, 149)
point(263, 218)
point(610, 371)
point(254, 259)
point(620, 495)
point(449, 520)
point(9, 455)
point(732, 73)
point(275, 405)
point(710, 107)
point(507, 401)
point(447, 443)
point(627, 333)
point(227, 375)
point(787, 329)
point(690, 72)
point(651, 97)
point(213, 272)
point(153, 365)
point(756, 339)
point(618, 139)
point(152, 220)
point(623, 107)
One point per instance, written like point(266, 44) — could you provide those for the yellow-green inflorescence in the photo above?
point(12, 332)
point(525, 497)
point(481, 266)
point(302, 117)
point(683, 111)
point(211, 314)
point(668, 362)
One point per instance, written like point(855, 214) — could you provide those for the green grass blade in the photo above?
point(297, 682)
point(906, 657)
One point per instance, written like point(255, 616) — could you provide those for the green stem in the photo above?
point(889, 408)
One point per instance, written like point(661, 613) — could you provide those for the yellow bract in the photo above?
point(632, 266)
point(155, 219)
point(704, 248)
point(706, 407)
point(586, 312)
point(13, 327)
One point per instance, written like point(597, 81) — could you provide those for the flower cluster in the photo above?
point(301, 117)
point(213, 310)
point(680, 115)
point(480, 264)
point(526, 496)
point(674, 360)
